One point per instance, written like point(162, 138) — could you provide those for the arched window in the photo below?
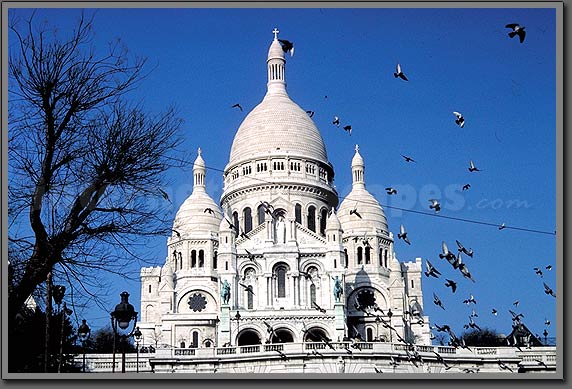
point(323, 219)
point(369, 334)
point(385, 257)
point(281, 280)
point(194, 258)
point(250, 300)
point(195, 343)
point(235, 222)
point(226, 265)
point(313, 293)
point(208, 343)
point(298, 213)
point(312, 218)
point(359, 255)
point(180, 261)
point(367, 255)
point(215, 259)
point(380, 257)
point(149, 288)
point(346, 259)
point(201, 258)
point(183, 344)
point(260, 214)
point(247, 215)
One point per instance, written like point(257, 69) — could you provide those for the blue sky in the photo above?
point(205, 60)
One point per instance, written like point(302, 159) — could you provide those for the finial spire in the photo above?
point(275, 32)
point(356, 148)
point(199, 151)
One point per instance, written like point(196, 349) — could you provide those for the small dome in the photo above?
point(333, 223)
point(194, 214)
point(372, 214)
point(357, 160)
point(199, 161)
point(275, 50)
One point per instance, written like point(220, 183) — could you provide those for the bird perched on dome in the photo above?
point(287, 46)
point(460, 121)
point(399, 73)
point(516, 30)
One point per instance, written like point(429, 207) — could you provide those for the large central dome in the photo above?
point(277, 124)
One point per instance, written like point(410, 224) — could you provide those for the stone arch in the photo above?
point(248, 336)
point(282, 335)
point(315, 334)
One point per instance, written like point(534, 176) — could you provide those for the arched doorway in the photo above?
point(315, 334)
point(248, 337)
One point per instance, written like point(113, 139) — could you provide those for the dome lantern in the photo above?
point(276, 67)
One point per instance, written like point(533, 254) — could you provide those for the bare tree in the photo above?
point(156, 337)
point(86, 166)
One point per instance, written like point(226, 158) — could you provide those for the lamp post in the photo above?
point(121, 317)
point(545, 333)
point(83, 332)
point(237, 317)
point(377, 320)
point(137, 335)
point(390, 315)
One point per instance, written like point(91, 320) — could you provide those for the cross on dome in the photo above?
point(275, 32)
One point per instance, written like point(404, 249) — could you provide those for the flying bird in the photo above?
point(502, 226)
point(377, 370)
point(473, 168)
point(177, 233)
point(403, 234)
point(516, 302)
point(473, 313)
point(494, 312)
point(515, 316)
point(473, 325)
point(244, 235)
point(407, 159)
point(446, 253)
point(465, 272)
point(336, 121)
point(355, 212)
point(318, 308)
point(548, 290)
point(538, 271)
point(441, 360)
point(464, 250)
point(435, 205)
point(516, 30)
point(546, 322)
point(310, 113)
point(549, 267)
point(209, 210)
point(466, 187)
point(431, 270)
point(348, 128)
point(237, 106)
point(391, 190)
point(460, 121)
point(250, 255)
point(287, 46)
point(399, 73)
point(248, 288)
point(471, 299)
point(452, 284)
point(503, 366)
point(437, 301)
point(282, 355)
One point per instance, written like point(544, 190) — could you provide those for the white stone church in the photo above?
point(279, 239)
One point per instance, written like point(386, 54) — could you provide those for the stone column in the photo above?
point(340, 320)
point(224, 325)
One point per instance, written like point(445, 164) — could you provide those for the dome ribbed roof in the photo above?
point(372, 214)
point(192, 217)
point(277, 123)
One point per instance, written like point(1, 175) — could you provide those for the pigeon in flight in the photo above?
point(502, 226)
point(237, 106)
point(465, 272)
point(176, 233)
point(403, 234)
point(446, 253)
point(452, 284)
point(471, 299)
point(538, 271)
point(464, 250)
point(548, 290)
point(460, 121)
point(549, 267)
point(287, 46)
point(209, 210)
point(473, 168)
point(407, 159)
point(494, 312)
point(516, 302)
point(466, 187)
point(250, 255)
point(516, 30)
point(546, 322)
point(336, 121)
point(399, 73)
point(310, 113)
point(355, 212)
point(391, 191)
point(473, 313)
point(348, 128)
point(437, 300)
point(472, 324)
point(435, 205)
point(431, 270)
point(503, 366)
point(248, 288)
point(318, 308)
point(515, 316)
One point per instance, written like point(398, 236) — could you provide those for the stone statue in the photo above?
point(338, 290)
point(281, 230)
point(225, 292)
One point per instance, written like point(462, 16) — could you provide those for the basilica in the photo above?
point(278, 259)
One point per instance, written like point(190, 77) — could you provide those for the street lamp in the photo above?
point(545, 333)
point(237, 317)
point(83, 332)
point(137, 335)
point(377, 320)
point(121, 317)
point(390, 315)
